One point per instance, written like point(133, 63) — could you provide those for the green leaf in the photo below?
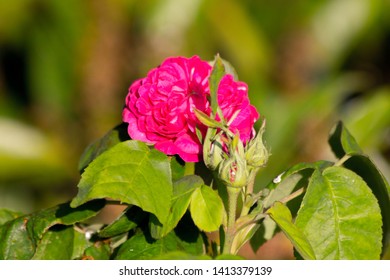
point(342, 142)
point(340, 216)
point(15, 241)
point(131, 173)
point(206, 209)
point(7, 215)
point(113, 137)
point(365, 168)
point(285, 188)
point(38, 223)
point(20, 237)
point(282, 216)
point(56, 244)
point(182, 192)
point(128, 220)
point(177, 168)
point(283, 185)
point(80, 244)
point(143, 247)
point(217, 73)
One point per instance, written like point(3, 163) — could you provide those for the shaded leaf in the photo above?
point(39, 222)
point(20, 237)
point(177, 168)
point(265, 231)
point(206, 209)
point(142, 247)
point(128, 220)
point(365, 168)
point(282, 216)
point(131, 173)
point(182, 192)
point(340, 216)
point(342, 142)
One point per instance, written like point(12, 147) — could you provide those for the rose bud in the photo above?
point(257, 154)
point(233, 171)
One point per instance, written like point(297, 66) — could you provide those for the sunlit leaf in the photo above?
point(113, 137)
point(206, 209)
point(131, 173)
point(282, 216)
point(56, 244)
point(340, 216)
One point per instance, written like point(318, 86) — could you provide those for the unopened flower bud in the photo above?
point(257, 154)
point(212, 149)
point(233, 171)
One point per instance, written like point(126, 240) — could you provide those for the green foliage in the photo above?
point(282, 216)
point(340, 216)
point(206, 209)
point(37, 235)
point(131, 173)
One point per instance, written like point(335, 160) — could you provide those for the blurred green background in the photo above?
point(65, 67)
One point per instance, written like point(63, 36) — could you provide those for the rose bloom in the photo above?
point(159, 107)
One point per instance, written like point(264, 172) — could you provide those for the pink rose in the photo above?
point(233, 96)
point(159, 107)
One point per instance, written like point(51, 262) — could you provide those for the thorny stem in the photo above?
point(231, 218)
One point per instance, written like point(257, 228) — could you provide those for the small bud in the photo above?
point(212, 149)
point(257, 154)
point(236, 146)
point(233, 171)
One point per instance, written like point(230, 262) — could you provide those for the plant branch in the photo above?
point(292, 196)
point(342, 160)
point(231, 218)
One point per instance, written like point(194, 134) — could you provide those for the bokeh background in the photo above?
point(65, 67)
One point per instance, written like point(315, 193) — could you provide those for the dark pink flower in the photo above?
point(159, 107)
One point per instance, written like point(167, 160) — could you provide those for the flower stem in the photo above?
point(231, 219)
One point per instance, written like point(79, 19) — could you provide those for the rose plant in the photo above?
point(184, 163)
